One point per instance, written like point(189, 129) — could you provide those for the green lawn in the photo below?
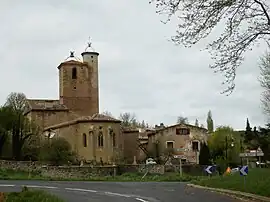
point(257, 182)
point(168, 177)
point(31, 196)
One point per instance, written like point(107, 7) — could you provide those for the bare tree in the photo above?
point(128, 119)
point(245, 23)
point(182, 120)
point(17, 101)
point(265, 82)
point(107, 113)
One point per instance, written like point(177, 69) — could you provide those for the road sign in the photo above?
point(251, 154)
point(210, 169)
point(243, 170)
point(181, 149)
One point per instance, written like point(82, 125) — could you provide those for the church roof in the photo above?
point(44, 105)
point(72, 62)
point(93, 118)
point(98, 117)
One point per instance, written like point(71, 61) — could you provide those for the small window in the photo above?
point(182, 131)
point(74, 73)
point(84, 140)
point(170, 145)
point(195, 146)
point(100, 139)
point(74, 88)
point(114, 139)
point(92, 56)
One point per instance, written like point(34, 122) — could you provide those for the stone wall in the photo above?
point(90, 171)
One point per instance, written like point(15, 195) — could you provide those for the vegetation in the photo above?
point(57, 151)
point(205, 156)
point(210, 122)
point(31, 196)
point(182, 120)
point(265, 82)
point(257, 182)
point(244, 24)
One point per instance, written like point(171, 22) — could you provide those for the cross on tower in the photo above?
point(89, 44)
point(72, 54)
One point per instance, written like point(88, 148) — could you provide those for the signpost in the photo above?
point(244, 172)
point(180, 157)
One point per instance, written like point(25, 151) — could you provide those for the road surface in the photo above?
point(119, 191)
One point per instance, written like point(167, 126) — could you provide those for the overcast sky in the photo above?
point(140, 70)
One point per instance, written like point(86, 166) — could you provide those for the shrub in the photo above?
point(57, 151)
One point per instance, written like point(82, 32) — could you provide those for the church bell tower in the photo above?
point(78, 83)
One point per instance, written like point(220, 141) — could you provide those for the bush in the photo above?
point(57, 151)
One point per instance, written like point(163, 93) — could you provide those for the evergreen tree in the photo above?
point(248, 133)
point(197, 123)
point(204, 157)
point(210, 123)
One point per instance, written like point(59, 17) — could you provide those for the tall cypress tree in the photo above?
point(204, 157)
point(248, 133)
point(210, 122)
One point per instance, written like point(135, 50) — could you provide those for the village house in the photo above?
point(180, 140)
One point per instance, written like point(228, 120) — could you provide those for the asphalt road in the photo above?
point(119, 191)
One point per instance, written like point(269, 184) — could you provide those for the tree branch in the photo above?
point(264, 11)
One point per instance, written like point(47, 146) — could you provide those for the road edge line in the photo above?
point(237, 193)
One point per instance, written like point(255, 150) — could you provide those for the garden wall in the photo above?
point(89, 171)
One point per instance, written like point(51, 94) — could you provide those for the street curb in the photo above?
point(236, 193)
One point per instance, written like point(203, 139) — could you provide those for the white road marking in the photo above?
point(7, 185)
point(139, 199)
point(117, 194)
point(84, 190)
point(36, 186)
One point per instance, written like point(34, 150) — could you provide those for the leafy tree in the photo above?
point(57, 151)
point(6, 123)
point(263, 137)
point(197, 123)
point(223, 140)
point(210, 123)
point(204, 156)
point(182, 120)
point(245, 23)
point(22, 129)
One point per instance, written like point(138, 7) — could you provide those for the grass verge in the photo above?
point(168, 177)
point(257, 182)
point(31, 196)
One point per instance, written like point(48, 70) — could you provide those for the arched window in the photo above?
point(74, 73)
point(84, 140)
point(114, 140)
point(100, 139)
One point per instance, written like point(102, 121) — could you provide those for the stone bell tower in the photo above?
point(78, 83)
point(90, 57)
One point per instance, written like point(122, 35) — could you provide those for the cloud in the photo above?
point(140, 70)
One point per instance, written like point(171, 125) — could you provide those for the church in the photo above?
point(75, 115)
